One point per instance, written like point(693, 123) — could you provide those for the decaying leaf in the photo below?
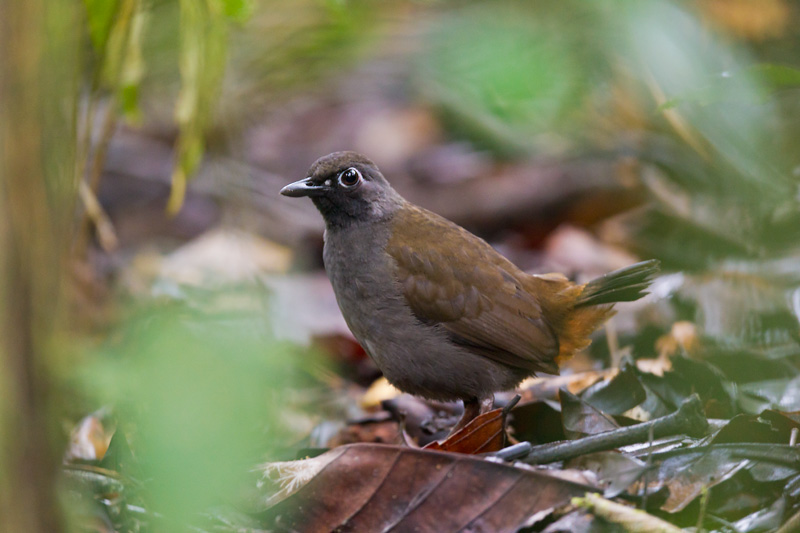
point(370, 488)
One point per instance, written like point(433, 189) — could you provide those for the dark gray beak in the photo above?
point(304, 187)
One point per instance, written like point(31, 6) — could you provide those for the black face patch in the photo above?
point(340, 210)
point(353, 190)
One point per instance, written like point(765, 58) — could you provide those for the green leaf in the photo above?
point(504, 75)
point(238, 10)
point(116, 43)
point(203, 51)
point(204, 390)
point(778, 76)
point(100, 15)
point(130, 77)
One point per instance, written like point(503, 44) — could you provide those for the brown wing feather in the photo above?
point(452, 278)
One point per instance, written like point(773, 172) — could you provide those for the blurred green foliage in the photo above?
point(505, 69)
point(201, 396)
point(99, 15)
point(516, 74)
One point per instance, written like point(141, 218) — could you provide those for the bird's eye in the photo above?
point(350, 177)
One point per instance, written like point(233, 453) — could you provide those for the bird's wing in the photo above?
point(452, 278)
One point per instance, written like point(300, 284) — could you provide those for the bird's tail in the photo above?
point(593, 303)
point(623, 285)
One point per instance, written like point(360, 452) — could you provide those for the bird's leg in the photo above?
point(473, 408)
point(486, 404)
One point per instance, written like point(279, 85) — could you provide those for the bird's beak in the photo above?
point(304, 187)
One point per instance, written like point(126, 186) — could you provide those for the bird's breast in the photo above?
point(363, 278)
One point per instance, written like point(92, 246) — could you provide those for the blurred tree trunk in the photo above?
point(38, 81)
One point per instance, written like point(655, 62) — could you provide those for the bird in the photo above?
point(443, 315)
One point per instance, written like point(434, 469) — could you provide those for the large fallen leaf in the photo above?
point(710, 383)
point(614, 471)
point(688, 472)
point(768, 427)
point(538, 422)
point(581, 419)
point(617, 394)
point(368, 487)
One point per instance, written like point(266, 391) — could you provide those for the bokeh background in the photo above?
point(152, 278)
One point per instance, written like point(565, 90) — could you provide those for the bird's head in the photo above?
point(347, 188)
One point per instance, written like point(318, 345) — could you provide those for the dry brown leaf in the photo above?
point(369, 487)
point(486, 433)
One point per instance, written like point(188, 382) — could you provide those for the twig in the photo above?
point(510, 405)
point(101, 480)
point(613, 343)
point(514, 452)
point(779, 454)
point(94, 211)
point(91, 168)
point(730, 525)
point(688, 419)
point(648, 465)
point(89, 185)
point(701, 516)
point(791, 525)
point(632, 520)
